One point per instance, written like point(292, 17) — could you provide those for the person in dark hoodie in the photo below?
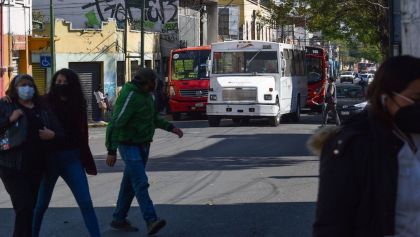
point(73, 156)
point(27, 129)
point(370, 167)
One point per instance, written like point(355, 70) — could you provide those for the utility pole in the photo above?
point(143, 9)
point(52, 34)
point(126, 42)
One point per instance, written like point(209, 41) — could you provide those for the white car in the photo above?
point(367, 77)
point(347, 77)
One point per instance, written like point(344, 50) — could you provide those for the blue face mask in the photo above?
point(26, 92)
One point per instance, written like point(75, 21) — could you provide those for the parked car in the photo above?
point(347, 77)
point(351, 99)
point(367, 77)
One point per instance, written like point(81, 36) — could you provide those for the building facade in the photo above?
point(15, 28)
point(96, 54)
point(241, 20)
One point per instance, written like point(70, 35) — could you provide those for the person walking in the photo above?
point(73, 156)
point(131, 130)
point(101, 100)
point(370, 167)
point(330, 103)
point(26, 130)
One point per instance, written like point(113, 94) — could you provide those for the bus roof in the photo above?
point(251, 45)
point(206, 47)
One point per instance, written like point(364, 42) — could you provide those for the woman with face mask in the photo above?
point(370, 167)
point(27, 129)
point(73, 156)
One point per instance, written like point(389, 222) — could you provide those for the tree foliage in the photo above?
point(364, 23)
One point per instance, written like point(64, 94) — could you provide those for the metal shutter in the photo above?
point(40, 76)
point(90, 77)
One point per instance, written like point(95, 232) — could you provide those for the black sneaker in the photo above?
point(124, 226)
point(156, 226)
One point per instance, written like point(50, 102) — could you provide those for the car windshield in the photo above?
point(347, 74)
point(245, 62)
point(314, 68)
point(350, 92)
point(190, 65)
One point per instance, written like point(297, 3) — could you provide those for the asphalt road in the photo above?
point(231, 181)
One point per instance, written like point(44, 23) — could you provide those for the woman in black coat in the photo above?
point(370, 167)
point(27, 128)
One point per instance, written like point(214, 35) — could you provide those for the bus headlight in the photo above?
point(172, 91)
point(268, 97)
point(213, 97)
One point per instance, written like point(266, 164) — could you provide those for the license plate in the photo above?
point(345, 113)
point(199, 105)
point(193, 108)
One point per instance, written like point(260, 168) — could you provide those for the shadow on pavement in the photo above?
point(237, 220)
point(306, 119)
point(232, 152)
point(295, 177)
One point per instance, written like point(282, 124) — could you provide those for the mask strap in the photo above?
point(403, 97)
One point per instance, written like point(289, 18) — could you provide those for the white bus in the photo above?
point(256, 79)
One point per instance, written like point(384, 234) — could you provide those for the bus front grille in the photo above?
point(194, 93)
point(239, 94)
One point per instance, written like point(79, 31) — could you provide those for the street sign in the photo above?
point(45, 61)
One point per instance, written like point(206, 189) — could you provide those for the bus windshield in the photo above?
point(314, 69)
point(245, 62)
point(190, 65)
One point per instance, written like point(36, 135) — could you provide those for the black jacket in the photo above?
point(358, 180)
point(13, 158)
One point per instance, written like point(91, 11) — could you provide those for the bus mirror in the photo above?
point(166, 79)
point(283, 64)
point(208, 68)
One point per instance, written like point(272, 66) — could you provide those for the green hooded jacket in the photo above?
point(134, 119)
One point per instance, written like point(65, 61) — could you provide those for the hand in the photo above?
point(111, 160)
point(15, 115)
point(178, 132)
point(46, 134)
point(6, 99)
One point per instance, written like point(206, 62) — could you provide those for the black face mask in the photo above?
point(62, 90)
point(408, 118)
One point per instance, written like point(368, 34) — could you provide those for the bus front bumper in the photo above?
point(246, 110)
point(187, 106)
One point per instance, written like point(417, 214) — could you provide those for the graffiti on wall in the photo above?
point(160, 15)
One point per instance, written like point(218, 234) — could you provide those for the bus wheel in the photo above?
point(275, 120)
point(214, 121)
point(236, 121)
point(296, 114)
point(176, 116)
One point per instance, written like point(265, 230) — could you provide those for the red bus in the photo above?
point(188, 80)
point(317, 71)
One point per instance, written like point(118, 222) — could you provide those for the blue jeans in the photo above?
point(67, 165)
point(134, 183)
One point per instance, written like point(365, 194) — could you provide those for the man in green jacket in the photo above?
point(131, 131)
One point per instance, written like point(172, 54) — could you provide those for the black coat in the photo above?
point(13, 158)
point(358, 180)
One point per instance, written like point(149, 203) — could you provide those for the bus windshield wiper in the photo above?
point(253, 57)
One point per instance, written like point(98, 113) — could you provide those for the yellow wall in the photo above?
point(108, 39)
point(246, 9)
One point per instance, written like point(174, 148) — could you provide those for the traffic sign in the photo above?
point(45, 61)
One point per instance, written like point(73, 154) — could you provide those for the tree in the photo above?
point(356, 22)
point(38, 16)
point(362, 21)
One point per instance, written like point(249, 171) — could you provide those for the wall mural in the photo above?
point(160, 15)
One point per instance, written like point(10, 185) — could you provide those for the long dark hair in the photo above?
point(75, 98)
point(12, 93)
point(394, 75)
